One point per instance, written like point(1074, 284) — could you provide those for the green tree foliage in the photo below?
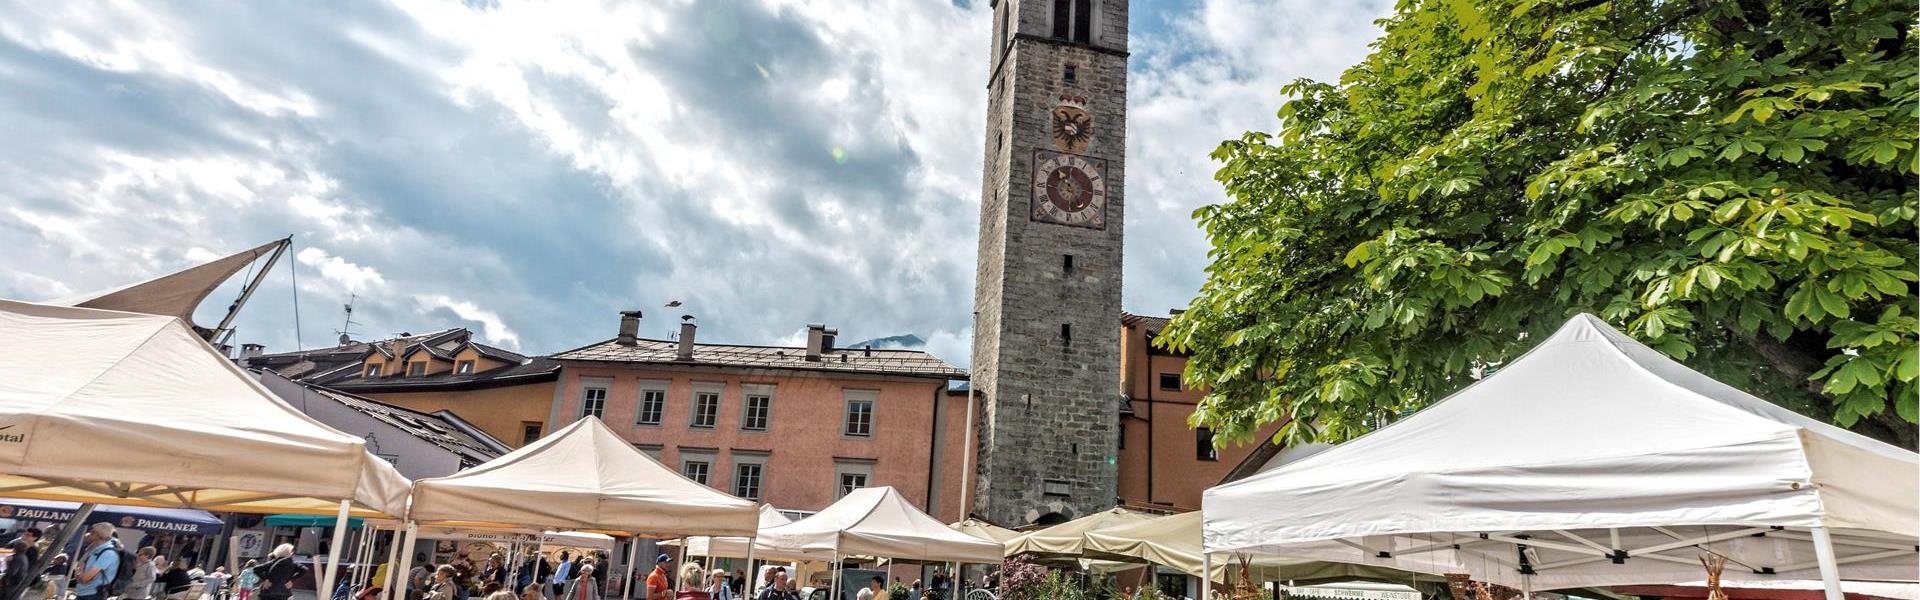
point(1731, 181)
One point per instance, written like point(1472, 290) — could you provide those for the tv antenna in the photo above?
point(346, 328)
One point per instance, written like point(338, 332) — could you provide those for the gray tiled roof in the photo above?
point(911, 363)
point(433, 428)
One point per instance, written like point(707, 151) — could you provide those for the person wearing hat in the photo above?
point(658, 587)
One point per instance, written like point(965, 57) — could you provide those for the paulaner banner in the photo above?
point(151, 520)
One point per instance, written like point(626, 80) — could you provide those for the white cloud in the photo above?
point(347, 276)
point(770, 163)
point(492, 327)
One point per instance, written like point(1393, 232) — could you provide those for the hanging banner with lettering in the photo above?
point(151, 520)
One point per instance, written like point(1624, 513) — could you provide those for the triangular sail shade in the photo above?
point(175, 294)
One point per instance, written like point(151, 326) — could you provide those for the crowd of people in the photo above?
point(106, 570)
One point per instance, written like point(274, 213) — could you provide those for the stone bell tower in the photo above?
point(1046, 334)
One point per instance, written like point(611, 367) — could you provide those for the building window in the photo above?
point(373, 371)
point(1069, 74)
point(652, 403)
point(1073, 20)
point(754, 414)
point(696, 470)
point(1066, 334)
point(651, 450)
point(1170, 382)
point(529, 432)
point(593, 402)
point(860, 413)
point(746, 480)
point(418, 368)
point(1066, 263)
point(850, 482)
point(1203, 444)
point(706, 409)
point(464, 367)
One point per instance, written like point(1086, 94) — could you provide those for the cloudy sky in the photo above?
point(527, 169)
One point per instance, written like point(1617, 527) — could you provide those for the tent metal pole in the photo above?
point(393, 552)
point(834, 594)
point(333, 552)
point(539, 564)
point(752, 578)
point(1206, 575)
point(632, 562)
point(1829, 566)
point(402, 577)
point(677, 583)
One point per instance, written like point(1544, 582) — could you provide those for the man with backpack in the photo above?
point(100, 564)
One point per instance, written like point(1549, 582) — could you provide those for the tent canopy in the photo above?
point(876, 521)
point(1590, 460)
point(123, 408)
point(583, 477)
point(1174, 541)
point(984, 530)
point(174, 294)
point(730, 547)
point(1069, 538)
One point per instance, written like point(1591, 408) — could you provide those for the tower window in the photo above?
point(1066, 333)
point(1069, 74)
point(1073, 20)
point(1066, 263)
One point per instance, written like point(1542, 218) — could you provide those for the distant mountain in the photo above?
point(906, 341)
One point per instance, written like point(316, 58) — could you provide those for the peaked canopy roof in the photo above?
point(173, 295)
point(582, 477)
point(1606, 461)
point(1069, 538)
point(877, 521)
point(135, 409)
point(984, 530)
point(731, 547)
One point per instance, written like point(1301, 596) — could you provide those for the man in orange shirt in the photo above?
point(657, 586)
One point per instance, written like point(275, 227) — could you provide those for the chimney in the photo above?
point(226, 350)
point(686, 338)
point(251, 350)
point(815, 333)
point(629, 328)
point(826, 340)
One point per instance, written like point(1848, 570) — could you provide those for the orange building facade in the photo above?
point(795, 427)
point(1165, 463)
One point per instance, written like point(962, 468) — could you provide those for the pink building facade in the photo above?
point(794, 427)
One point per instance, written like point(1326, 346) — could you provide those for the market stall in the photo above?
point(583, 477)
point(189, 429)
point(1067, 540)
point(1590, 460)
point(875, 522)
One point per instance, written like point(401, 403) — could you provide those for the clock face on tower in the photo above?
point(1069, 189)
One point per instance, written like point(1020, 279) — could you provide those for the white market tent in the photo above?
point(1591, 460)
point(134, 409)
point(730, 547)
point(877, 522)
point(1069, 538)
point(583, 477)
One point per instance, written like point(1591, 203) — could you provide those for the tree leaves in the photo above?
point(1496, 166)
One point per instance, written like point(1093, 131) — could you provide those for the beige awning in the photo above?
point(583, 477)
point(1067, 539)
point(173, 295)
point(876, 522)
point(123, 408)
point(1174, 541)
point(982, 529)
